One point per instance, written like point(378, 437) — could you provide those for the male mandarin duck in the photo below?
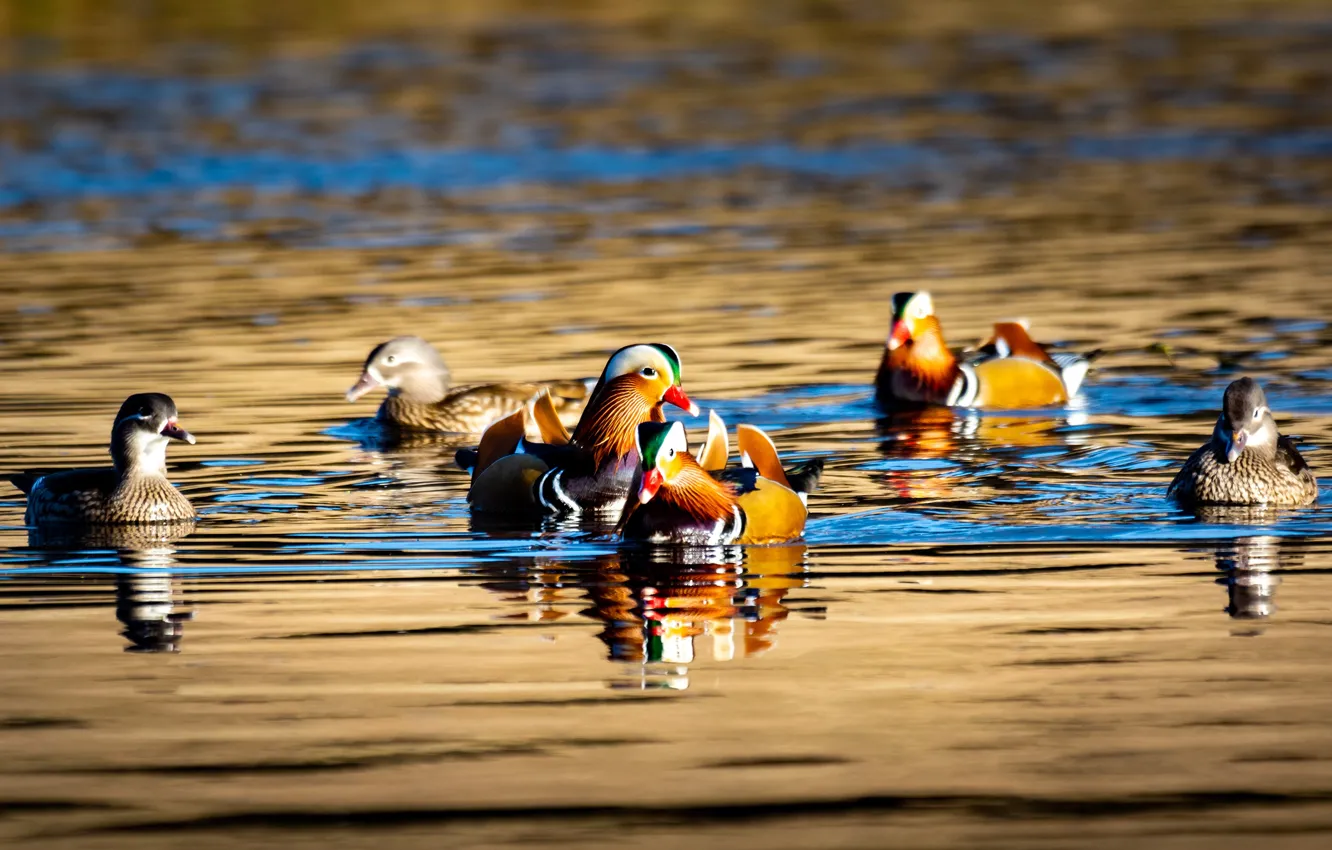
point(134, 490)
point(590, 470)
point(1247, 462)
point(1009, 370)
point(422, 398)
point(680, 501)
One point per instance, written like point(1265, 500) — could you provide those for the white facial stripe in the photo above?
point(676, 439)
point(633, 359)
point(921, 306)
point(374, 373)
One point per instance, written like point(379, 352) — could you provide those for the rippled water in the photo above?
point(997, 631)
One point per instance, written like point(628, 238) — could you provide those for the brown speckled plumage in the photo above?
point(105, 496)
point(1283, 479)
point(1246, 462)
point(472, 408)
point(135, 490)
point(421, 396)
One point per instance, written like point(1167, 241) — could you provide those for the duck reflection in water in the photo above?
point(923, 439)
point(1247, 563)
point(149, 602)
point(664, 610)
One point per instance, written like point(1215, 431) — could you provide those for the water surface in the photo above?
point(997, 631)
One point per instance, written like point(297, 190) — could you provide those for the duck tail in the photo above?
point(466, 459)
point(804, 477)
point(24, 481)
point(1073, 368)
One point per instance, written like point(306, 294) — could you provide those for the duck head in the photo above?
point(662, 447)
point(668, 473)
point(637, 381)
point(914, 323)
point(1246, 422)
point(145, 424)
point(405, 365)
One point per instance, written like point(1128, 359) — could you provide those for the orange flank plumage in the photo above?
point(773, 513)
point(1016, 382)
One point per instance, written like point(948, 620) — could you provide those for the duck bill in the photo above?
point(677, 397)
point(173, 430)
point(1236, 445)
point(361, 387)
point(900, 335)
point(651, 484)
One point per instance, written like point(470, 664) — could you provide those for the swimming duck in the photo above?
point(1247, 462)
point(136, 489)
point(421, 397)
point(1008, 370)
point(680, 501)
point(591, 469)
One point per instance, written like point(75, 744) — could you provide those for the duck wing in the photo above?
point(59, 485)
point(1289, 455)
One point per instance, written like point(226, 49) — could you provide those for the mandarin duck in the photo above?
point(1246, 462)
point(681, 501)
point(1009, 370)
point(134, 490)
point(421, 396)
point(591, 469)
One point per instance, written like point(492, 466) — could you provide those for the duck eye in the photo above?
point(1257, 414)
point(648, 372)
point(390, 360)
point(670, 454)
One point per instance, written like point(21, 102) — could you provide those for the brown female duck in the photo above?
point(135, 489)
point(421, 396)
point(1247, 462)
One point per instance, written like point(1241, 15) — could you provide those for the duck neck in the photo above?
point(696, 493)
point(925, 358)
point(423, 385)
point(606, 428)
point(137, 453)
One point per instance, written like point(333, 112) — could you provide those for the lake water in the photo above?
point(997, 631)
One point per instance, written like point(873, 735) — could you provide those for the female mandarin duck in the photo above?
point(590, 470)
point(1247, 462)
point(680, 501)
point(421, 397)
point(1009, 370)
point(135, 489)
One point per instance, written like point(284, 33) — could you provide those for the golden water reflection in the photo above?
point(661, 613)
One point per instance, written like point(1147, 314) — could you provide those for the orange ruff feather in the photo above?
point(696, 492)
point(607, 427)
